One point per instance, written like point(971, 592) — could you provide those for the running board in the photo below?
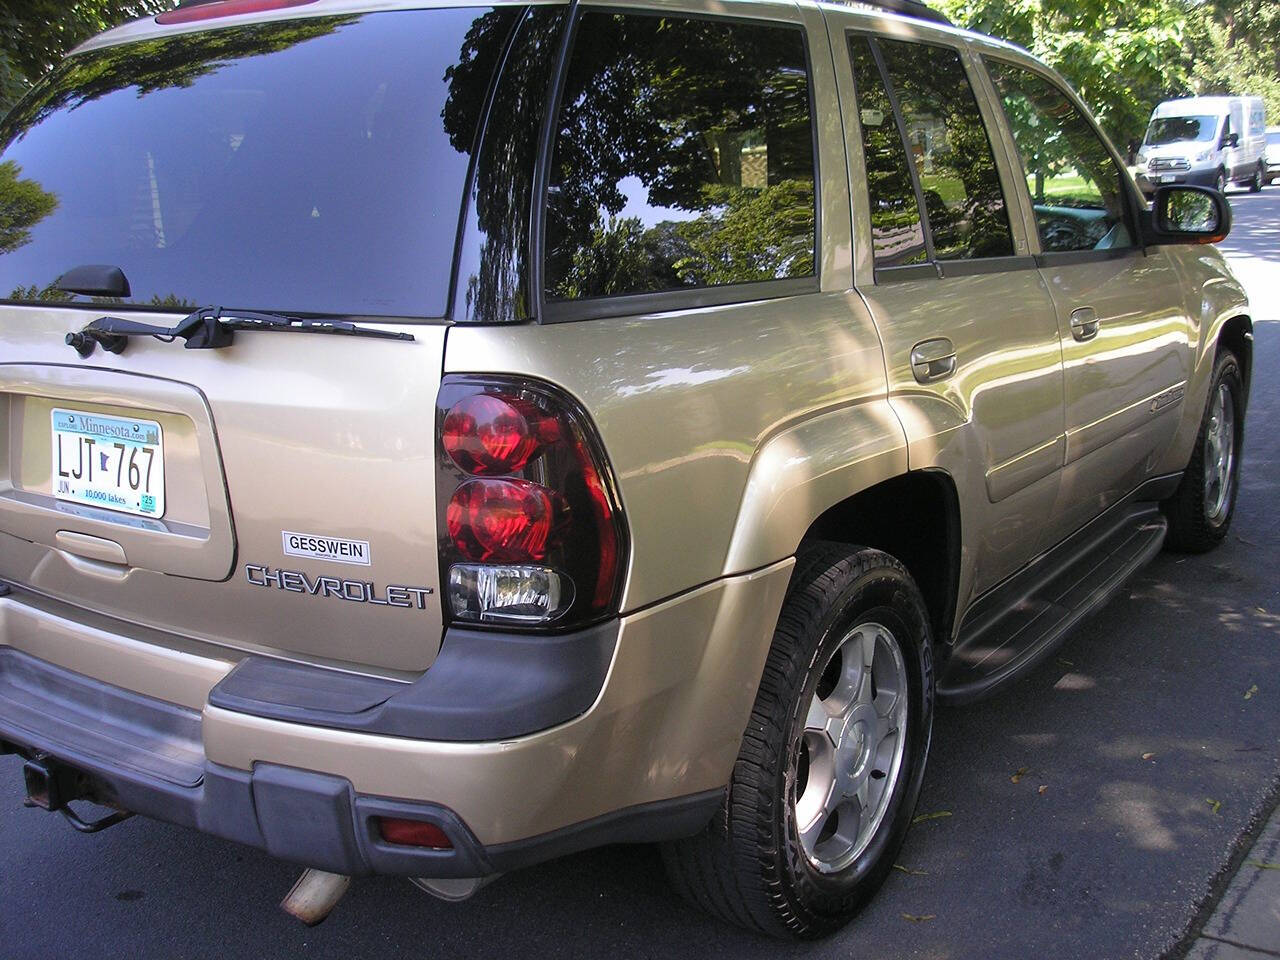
point(1019, 623)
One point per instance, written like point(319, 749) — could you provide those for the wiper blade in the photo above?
point(210, 328)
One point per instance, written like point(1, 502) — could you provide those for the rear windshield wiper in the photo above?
point(212, 327)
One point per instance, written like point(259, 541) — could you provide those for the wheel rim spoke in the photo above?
point(852, 748)
point(1219, 453)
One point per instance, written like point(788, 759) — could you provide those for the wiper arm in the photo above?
point(212, 327)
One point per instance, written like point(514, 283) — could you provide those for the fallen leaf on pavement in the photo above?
point(909, 872)
point(1214, 805)
point(1148, 756)
point(1043, 788)
point(1248, 694)
point(1263, 865)
point(918, 919)
point(1022, 772)
point(932, 816)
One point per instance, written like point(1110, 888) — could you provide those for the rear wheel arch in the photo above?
point(915, 518)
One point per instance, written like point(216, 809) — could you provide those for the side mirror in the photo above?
point(1231, 140)
point(1187, 214)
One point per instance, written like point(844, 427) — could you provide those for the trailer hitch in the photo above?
point(51, 786)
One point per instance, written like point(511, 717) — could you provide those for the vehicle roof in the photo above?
point(1185, 105)
point(147, 28)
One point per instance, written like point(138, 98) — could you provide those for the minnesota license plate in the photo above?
point(111, 462)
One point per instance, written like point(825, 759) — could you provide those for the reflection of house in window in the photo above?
point(742, 161)
point(755, 166)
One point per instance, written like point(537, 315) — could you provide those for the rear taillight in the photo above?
point(531, 529)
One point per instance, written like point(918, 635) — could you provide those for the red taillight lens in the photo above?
point(502, 520)
point(489, 435)
point(532, 531)
point(413, 833)
point(224, 8)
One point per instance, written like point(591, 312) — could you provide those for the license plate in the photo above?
point(1168, 178)
point(111, 462)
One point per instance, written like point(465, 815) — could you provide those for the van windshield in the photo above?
point(1181, 129)
point(312, 166)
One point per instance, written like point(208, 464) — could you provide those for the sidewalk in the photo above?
point(1246, 923)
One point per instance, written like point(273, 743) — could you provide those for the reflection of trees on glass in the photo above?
point(896, 231)
point(1074, 182)
point(496, 278)
point(23, 204)
point(684, 157)
point(174, 60)
point(951, 151)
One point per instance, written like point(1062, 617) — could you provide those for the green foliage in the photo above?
point(22, 204)
point(1125, 56)
point(36, 34)
point(1121, 56)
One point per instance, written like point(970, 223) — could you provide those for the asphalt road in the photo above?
point(1146, 763)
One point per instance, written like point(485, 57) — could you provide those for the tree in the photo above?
point(36, 34)
point(1121, 56)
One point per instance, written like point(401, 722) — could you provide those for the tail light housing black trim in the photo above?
point(532, 534)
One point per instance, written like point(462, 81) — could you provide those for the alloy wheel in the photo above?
point(1219, 454)
point(850, 754)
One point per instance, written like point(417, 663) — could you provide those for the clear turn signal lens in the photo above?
point(530, 595)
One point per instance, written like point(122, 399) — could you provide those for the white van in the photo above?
point(1210, 141)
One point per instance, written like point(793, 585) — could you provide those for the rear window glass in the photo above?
point(683, 158)
point(305, 166)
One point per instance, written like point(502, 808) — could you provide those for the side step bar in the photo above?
point(1019, 623)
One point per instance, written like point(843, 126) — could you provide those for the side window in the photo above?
point(1075, 184)
point(897, 234)
point(950, 151)
point(683, 158)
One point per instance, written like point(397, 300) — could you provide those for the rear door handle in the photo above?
point(933, 360)
point(1084, 323)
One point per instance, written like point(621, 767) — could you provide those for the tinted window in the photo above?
point(1075, 184)
point(896, 231)
point(683, 158)
point(301, 165)
point(950, 151)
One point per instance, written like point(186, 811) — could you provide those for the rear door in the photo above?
point(968, 327)
point(275, 494)
point(1124, 331)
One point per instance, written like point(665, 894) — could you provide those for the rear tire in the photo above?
point(1255, 185)
point(1200, 510)
point(852, 643)
point(1220, 184)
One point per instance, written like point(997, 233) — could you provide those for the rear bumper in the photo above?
point(240, 756)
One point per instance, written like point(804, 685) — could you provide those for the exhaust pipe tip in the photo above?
point(452, 889)
point(315, 895)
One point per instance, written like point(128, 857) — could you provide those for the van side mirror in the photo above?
point(1187, 214)
point(1231, 140)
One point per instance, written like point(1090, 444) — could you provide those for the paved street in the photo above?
point(1148, 751)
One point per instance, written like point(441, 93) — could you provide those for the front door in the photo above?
point(1124, 331)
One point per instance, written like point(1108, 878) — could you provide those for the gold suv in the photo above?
point(437, 438)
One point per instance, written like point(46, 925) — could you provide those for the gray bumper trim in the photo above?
point(303, 816)
point(482, 686)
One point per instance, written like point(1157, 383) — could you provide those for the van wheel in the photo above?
point(830, 767)
point(1255, 185)
point(1221, 183)
point(1200, 511)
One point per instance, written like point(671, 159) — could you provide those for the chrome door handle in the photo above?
point(933, 360)
point(1084, 323)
